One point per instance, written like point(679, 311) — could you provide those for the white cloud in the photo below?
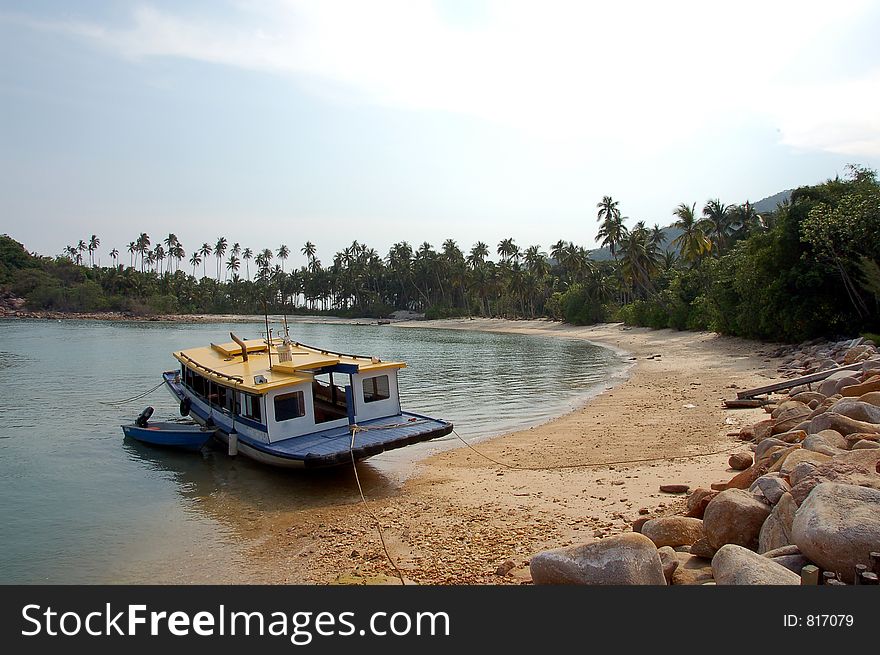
point(839, 117)
point(638, 74)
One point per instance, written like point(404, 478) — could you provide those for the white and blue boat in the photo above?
point(287, 404)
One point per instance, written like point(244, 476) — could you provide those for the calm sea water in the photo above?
point(81, 504)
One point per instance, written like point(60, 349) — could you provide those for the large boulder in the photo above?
point(624, 559)
point(865, 444)
point(842, 424)
point(788, 556)
point(734, 517)
point(790, 417)
point(855, 390)
point(697, 501)
point(838, 526)
point(800, 472)
point(793, 436)
point(799, 456)
point(808, 397)
point(740, 461)
point(832, 438)
point(792, 404)
point(669, 560)
point(857, 467)
point(703, 549)
point(771, 442)
point(776, 531)
point(762, 429)
point(858, 354)
point(828, 387)
point(692, 571)
point(846, 382)
point(743, 479)
point(673, 530)
point(817, 444)
point(856, 409)
point(771, 486)
point(735, 565)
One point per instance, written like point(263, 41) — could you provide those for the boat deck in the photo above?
point(330, 447)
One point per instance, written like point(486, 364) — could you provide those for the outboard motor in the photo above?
point(143, 417)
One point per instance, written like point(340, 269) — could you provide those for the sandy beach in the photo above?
point(460, 516)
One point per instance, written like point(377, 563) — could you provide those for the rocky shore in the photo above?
point(804, 508)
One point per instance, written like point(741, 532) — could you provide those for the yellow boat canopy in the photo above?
point(224, 364)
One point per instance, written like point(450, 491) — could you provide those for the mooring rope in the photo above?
point(589, 464)
point(354, 430)
point(133, 398)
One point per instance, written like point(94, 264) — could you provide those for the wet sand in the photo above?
point(460, 516)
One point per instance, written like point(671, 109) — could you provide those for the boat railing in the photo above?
point(330, 352)
point(233, 378)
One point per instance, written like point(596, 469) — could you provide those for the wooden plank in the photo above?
point(744, 403)
point(793, 382)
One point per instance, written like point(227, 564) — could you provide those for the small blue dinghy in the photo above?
point(186, 436)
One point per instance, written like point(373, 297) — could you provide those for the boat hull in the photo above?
point(326, 448)
point(170, 435)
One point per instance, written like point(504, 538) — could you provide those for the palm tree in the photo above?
point(195, 260)
point(170, 245)
point(94, 242)
point(744, 220)
point(205, 252)
point(247, 256)
point(640, 259)
point(114, 255)
point(507, 249)
point(142, 244)
point(557, 250)
point(159, 257)
point(692, 243)
point(478, 254)
point(81, 247)
point(132, 249)
point(607, 209)
point(233, 264)
point(283, 253)
point(309, 250)
point(657, 236)
point(612, 231)
point(717, 223)
point(219, 251)
point(179, 253)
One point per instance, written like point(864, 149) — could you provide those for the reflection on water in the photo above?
point(82, 504)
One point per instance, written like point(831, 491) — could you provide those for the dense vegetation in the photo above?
point(810, 268)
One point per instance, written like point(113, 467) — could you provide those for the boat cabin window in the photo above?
point(250, 407)
point(376, 389)
point(328, 399)
point(222, 397)
point(289, 405)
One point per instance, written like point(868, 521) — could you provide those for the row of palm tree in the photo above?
point(521, 281)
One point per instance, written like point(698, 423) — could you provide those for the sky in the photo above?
point(286, 121)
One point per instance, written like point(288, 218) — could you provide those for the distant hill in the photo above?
point(769, 204)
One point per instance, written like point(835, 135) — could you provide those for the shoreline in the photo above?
point(123, 317)
point(459, 516)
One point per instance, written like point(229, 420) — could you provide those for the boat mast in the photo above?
point(268, 334)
